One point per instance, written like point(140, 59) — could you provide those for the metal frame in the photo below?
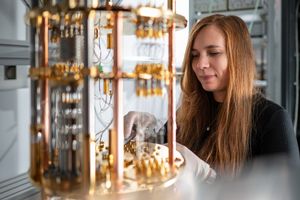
point(288, 63)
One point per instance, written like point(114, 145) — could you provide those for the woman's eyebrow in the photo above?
point(211, 46)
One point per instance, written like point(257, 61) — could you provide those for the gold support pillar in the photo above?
point(88, 135)
point(171, 91)
point(117, 137)
point(44, 89)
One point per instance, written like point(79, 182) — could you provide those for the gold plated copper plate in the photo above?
point(146, 167)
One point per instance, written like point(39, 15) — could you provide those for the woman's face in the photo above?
point(209, 61)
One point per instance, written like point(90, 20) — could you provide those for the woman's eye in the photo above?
point(213, 53)
point(194, 55)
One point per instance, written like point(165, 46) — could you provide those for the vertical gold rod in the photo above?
point(118, 135)
point(171, 91)
point(35, 142)
point(172, 5)
point(88, 147)
point(45, 90)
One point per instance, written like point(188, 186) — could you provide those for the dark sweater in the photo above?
point(272, 133)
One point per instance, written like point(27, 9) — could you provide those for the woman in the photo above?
point(223, 118)
point(230, 121)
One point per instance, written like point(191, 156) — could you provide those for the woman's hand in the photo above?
point(196, 167)
point(139, 124)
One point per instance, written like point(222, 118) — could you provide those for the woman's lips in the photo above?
point(207, 77)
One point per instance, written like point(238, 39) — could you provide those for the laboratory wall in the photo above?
point(14, 90)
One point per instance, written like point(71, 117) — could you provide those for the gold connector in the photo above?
point(109, 42)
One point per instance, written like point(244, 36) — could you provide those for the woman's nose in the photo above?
point(202, 62)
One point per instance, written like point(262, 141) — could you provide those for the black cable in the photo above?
point(27, 4)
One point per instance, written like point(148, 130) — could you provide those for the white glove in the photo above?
point(196, 167)
point(141, 125)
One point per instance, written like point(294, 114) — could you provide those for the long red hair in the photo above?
point(226, 149)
